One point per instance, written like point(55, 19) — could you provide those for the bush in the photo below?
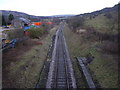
point(37, 32)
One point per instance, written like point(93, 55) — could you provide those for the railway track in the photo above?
point(61, 72)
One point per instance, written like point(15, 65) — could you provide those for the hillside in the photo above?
point(33, 18)
point(105, 20)
point(21, 14)
point(105, 10)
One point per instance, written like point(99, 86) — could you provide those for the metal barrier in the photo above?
point(86, 74)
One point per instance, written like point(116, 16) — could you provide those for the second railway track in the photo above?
point(61, 72)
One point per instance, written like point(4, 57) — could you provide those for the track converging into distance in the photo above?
point(61, 72)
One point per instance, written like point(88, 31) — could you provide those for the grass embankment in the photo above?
point(24, 72)
point(103, 68)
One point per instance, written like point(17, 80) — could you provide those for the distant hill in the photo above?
point(21, 14)
point(34, 18)
point(65, 15)
point(105, 10)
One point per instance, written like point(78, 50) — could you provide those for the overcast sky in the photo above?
point(55, 7)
